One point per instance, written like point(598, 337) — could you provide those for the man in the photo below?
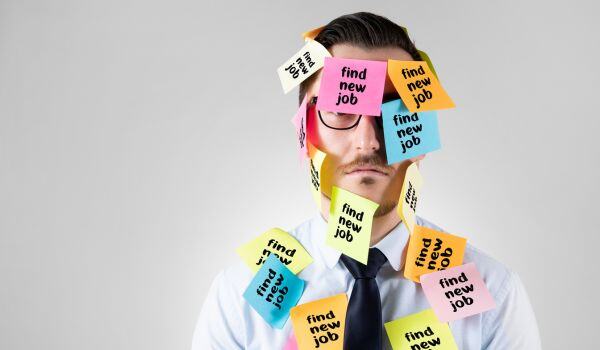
point(356, 153)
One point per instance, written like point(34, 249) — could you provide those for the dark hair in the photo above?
point(365, 30)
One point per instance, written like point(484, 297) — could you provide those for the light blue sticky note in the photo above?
point(273, 291)
point(407, 134)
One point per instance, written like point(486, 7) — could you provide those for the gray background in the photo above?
point(141, 142)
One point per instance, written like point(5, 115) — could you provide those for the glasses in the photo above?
point(341, 121)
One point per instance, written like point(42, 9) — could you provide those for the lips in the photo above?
point(368, 170)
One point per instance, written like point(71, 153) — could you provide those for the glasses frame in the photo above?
point(378, 119)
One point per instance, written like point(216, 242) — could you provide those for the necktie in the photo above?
point(364, 325)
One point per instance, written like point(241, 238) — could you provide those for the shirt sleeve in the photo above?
point(512, 324)
point(219, 325)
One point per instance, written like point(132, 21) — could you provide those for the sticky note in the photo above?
point(299, 122)
point(352, 86)
point(409, 196)
point(273, 291)
point(457, 292)
point(317, 158)
point(421, 330)
point(426, 58)
point(291, 343)
point(302, 65)
point(275, 242)
point(418, 86)
point(312, 34)
point(320, 324)
point(430, 250)
point(350, 223)
point(407, 134)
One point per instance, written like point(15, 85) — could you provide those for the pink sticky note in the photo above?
point(299, 122)
point(291, 343)
point(457, 292)
point(352, 86)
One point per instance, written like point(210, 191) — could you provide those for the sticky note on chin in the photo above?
point(407, 134)
point(275, 242)
point(421, 330)
point(350, 223)
point(430, 251)
point(418, 87)
point(320, 324)
point(273, 291)
point(352, 86)
point(409, 196)
point(302, 65)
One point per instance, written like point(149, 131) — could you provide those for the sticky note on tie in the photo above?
point(350, 223)
point(430, 250)
point(409, 196)
point(273, 291)
point(302, 65)
point(407, 134)
point(418, 86)
point(317, 158)
point(320, 324)
point(457, 292)
point(299, 122)
point(352, 86)
point(420, 331)
point(275, 242)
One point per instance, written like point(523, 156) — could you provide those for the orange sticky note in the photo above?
point(320, 324)
point(418, 86)
point(430, 250)
point(312, 34)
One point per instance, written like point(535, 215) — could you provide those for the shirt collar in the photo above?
point(392, 245)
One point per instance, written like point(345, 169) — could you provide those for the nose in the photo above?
point(367, 135)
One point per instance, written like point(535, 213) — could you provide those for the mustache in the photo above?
point(373, 161)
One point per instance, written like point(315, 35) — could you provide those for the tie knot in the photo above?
point(361, 271)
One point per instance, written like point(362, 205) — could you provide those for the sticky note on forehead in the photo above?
point(430, 250)
point(420, 331)
point(320, 324)
point(409, 196)
point(457, 292)
point(418, 86)
point(350, 223)
point(273, 291)
point(315, 168)
point(352, 86)
point(408, 134)
point(302, 65)
point(275, 242)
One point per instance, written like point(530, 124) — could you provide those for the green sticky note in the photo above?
point(420, 331)
point(350, 223)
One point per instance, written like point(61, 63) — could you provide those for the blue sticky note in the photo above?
point(273, 291)
point(408, 134)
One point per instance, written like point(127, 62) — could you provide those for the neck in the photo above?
point(382, 225)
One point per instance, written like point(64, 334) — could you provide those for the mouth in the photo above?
point(367, 171)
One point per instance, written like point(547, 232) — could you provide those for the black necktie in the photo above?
point(364, 325)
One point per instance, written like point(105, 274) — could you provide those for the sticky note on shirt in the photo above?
point(352, 86)
point(273, 291)
point(317, 158)
point(302, 65)
point(299, 122)
point(420, 331)
point(430, 250)
point(408, 135)
point(275, 242)
point(457, 292)
point(409, 196)
point(418, 86)
point(320, 324)
point(350, 223)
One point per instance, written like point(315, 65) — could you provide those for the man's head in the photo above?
point(356, 156)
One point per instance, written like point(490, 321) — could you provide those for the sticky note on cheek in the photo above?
point(352, 86)
point(273, 291)
point(420, 331)
point(430, 251)
point(299, 122)
point(406, 134)
point(302, 65)
point(320, 324)
point(409, 196)
point(457, 292)
point(315, 168)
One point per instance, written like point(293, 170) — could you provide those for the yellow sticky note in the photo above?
point(350, 223)
point(430, 250)
point(418, 86)
point(312, 34)
point(411, 189)
point(315, 170)
point(320, 324)
point(275, 241)
point(420, 331)
point(302, 65)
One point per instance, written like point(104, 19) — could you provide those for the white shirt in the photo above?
point(227, 321)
